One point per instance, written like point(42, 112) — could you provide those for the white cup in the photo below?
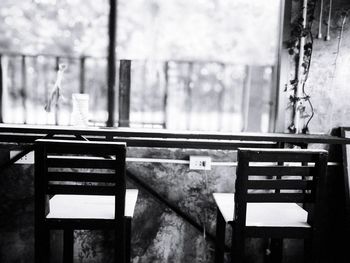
point(80, 111)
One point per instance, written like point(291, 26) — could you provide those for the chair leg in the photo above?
point(68, 245)
point(307, 250)
point(47, 244)
point(238, 245)
point(41, 243)
point(127, 240)
point(120, 244)
point(276, 250)
point(220, 238)
point(315, 250)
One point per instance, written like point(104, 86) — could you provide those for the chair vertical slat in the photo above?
point(120, 204)
point(238, 238)
point(320, 218)
point(120, 182)
point(39, 211)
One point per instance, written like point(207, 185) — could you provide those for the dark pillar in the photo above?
point(57, 105)
point(124, 93)
point(111, 68)
point(24, 87)
point(1, 88)
point(246, 97)
point(189, 86)
point(82, 75)
point(166, 92)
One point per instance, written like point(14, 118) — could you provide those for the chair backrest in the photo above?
point(279, 176)
point(81, 168)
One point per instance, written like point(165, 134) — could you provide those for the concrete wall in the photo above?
point(329, 78)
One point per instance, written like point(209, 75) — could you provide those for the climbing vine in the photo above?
point(301, 35)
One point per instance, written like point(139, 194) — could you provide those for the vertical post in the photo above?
point(189, 86)
point(166, 92)
point(111, 67)
point(24, 88)
point(246, 97)
point(124, 93)
point(57, 106)
point(283, 66)
point(299, 104)
point(82, 75)
point(2, 76)
point(221, 97)
point(35, 84)
point(273, 99)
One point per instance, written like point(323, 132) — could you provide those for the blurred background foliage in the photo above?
point(197, 65)
point(235, 31)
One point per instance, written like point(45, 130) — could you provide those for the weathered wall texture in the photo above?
point(329, 78)
point(159, 235)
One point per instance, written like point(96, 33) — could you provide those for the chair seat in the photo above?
point(90, 206)
point(264, 214)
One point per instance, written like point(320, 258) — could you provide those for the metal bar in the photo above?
point(221, 97)
point(24, 87)
point(273, 99)
point(51, 55)
point(35, 83)
point(200, 137)
point(111, 65)
point(175, 161)
point(124, 93)
point(82, 75)
point(57, 106)
point(166, 93)
point(45, 73)
point(189, 86)
point(246, 97)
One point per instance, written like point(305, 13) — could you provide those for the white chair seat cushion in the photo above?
point(90, 206)
point(264, 214)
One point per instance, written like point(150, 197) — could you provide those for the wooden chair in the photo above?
point(270, 188)
point(83, 184)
